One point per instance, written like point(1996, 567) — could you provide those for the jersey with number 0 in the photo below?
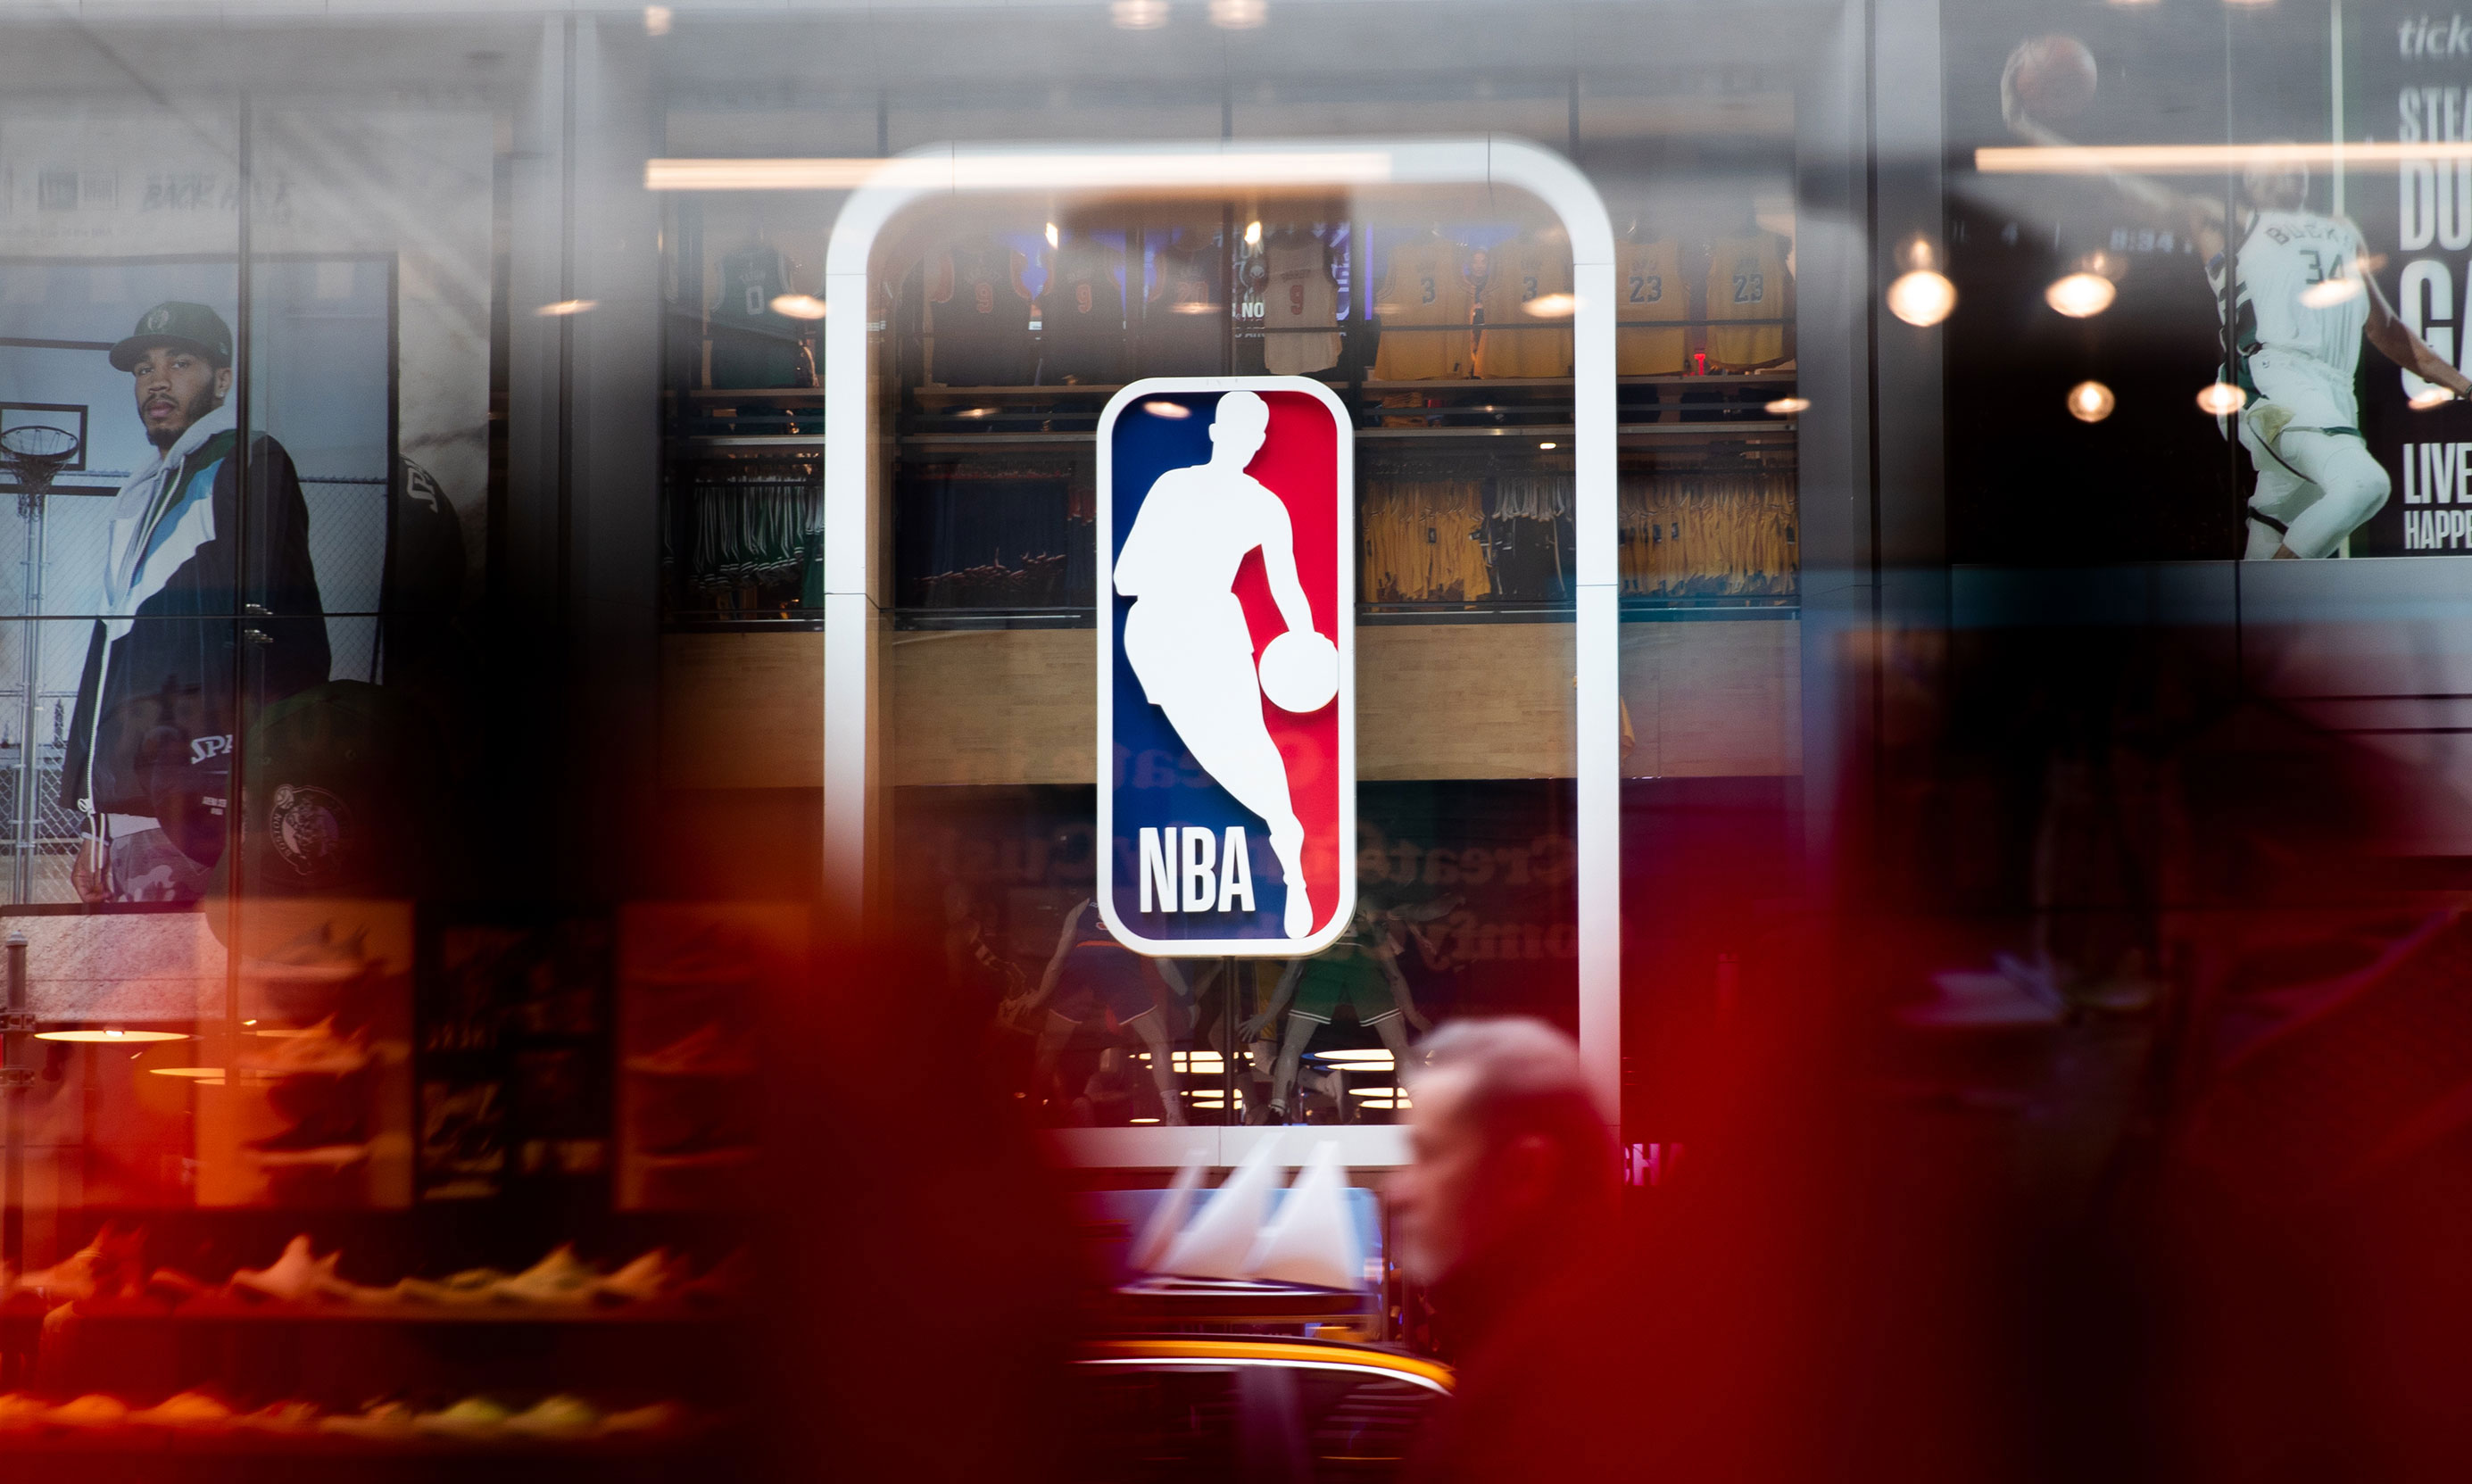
point(2279, 305)
point(1299, 294)
point(754, 344)
point(1425, 303)
point(1649, 288)
point(1746, 280)
point(1515, 340)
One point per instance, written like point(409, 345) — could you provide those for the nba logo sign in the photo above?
point(1226, 667)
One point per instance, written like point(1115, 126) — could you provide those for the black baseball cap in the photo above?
point(176, 322)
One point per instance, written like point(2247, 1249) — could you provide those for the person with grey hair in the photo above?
point(1506, 1216)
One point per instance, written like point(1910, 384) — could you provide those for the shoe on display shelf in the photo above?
point(645, 1278)
point(317, 1051)
point(170, 1286)
point(106, 1264)
point(473, 1417)
point(293, 1277)
point(19, 1412)
point(281, 1417)
point(659, 1416)
point(467, 1289)
point(379, 1419)
point(93, 1411)
point(193, 1411)
point(559, 1279)
point(556, 1417)
point(306, 1149)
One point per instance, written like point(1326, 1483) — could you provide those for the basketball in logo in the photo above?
point(1226, 646)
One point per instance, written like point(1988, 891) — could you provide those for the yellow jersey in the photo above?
point(1647, 288)
point(1514, 340)
point(1424, 304)
point(1748, 280)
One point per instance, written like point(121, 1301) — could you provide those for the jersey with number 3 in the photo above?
point(1649, 288)
point(1746, 280)
point(2279, 305)
point(1515, 340)
point(1424, 302)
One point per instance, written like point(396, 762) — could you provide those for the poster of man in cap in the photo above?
point(209, 607)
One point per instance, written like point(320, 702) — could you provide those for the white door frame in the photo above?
point(852, 611)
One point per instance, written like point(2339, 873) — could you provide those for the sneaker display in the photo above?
point(306, 1148)
point(659, 1416)
point(173, 1286)
point(280, 1417)
point(18, 1410)
point(470, 1288)
point(107, 1264)
point(293, 1276)
point(377, 1419)
point(556, 1417)
point(190, 1411)
point(556, 1279)
point(317, 1051)
point(648, 1276)
point(93, 1411)
point(473, 1417)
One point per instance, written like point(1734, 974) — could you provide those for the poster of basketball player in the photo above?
point(357, 350)
point(318, 381)
point(2405, 84)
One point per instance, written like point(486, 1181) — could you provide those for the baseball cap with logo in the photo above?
point(176, 322)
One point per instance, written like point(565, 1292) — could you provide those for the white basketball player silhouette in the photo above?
point(1185, 635)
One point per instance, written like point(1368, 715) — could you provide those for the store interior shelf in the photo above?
point(786, 396)
point(726, 444)
point(213, 1312)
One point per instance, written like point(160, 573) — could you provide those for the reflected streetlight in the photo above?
point(798, 306)
point(2427, 398)
point(1138, 14)
point(2091, 401)
point(1922, 298)
point(1787, 407)
point(2080, 296)
point(1239, 15)
point(565, 307)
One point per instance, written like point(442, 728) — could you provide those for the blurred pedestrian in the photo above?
point(1506, 1216)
